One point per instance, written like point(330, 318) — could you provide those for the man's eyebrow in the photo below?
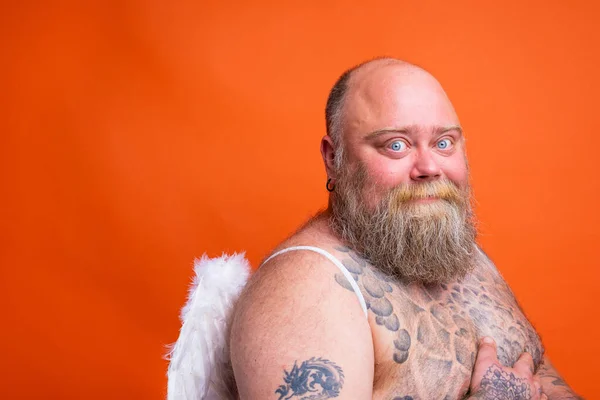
point(379, 132)
point(439, 130)
point(443, 129)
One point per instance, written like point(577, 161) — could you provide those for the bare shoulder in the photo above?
point(295, 279)
point(293, 320)
point(487, 272)
point(487, 277)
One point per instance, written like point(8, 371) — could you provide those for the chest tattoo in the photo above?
point(430, 332)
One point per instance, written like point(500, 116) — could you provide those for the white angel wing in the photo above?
point(200, 366)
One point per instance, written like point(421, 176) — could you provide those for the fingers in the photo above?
point(537, 387)
point(524, 365)
point(487, 353)
point(486, 356)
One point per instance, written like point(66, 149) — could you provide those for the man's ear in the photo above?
point(328, 154)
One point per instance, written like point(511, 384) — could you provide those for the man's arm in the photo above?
point(552, 383)
point(297, 333)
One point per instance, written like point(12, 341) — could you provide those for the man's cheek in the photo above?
point(457, 172)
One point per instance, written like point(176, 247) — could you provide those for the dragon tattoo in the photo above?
point(314, 379)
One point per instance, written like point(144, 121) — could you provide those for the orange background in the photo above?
point(138, 135)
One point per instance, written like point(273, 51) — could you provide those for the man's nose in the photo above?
point(425, 167)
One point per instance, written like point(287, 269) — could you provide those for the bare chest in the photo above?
point(425, 338)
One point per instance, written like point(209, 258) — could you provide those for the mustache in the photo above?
point(443, 189)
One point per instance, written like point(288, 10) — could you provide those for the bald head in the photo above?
point(378, 90)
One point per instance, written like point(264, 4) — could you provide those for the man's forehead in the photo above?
point(380, 82)
point(396, 94)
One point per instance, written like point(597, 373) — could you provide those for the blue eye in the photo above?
point(444, 144)
point(398, 145)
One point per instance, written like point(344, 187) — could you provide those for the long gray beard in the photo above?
point(429, 243)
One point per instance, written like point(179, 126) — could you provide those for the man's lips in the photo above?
point(428, 199)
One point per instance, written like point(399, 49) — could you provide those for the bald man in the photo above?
point(386, 295)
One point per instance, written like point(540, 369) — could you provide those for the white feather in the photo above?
point(200, 366)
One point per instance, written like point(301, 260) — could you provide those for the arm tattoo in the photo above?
point(553, 385)
point(500, 385)
point(314, 379)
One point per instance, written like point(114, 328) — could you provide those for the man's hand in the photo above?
point(491, 380)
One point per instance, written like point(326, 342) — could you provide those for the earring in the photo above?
point(329, 189)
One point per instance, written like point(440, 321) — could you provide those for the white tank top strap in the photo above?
point(335, 261)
